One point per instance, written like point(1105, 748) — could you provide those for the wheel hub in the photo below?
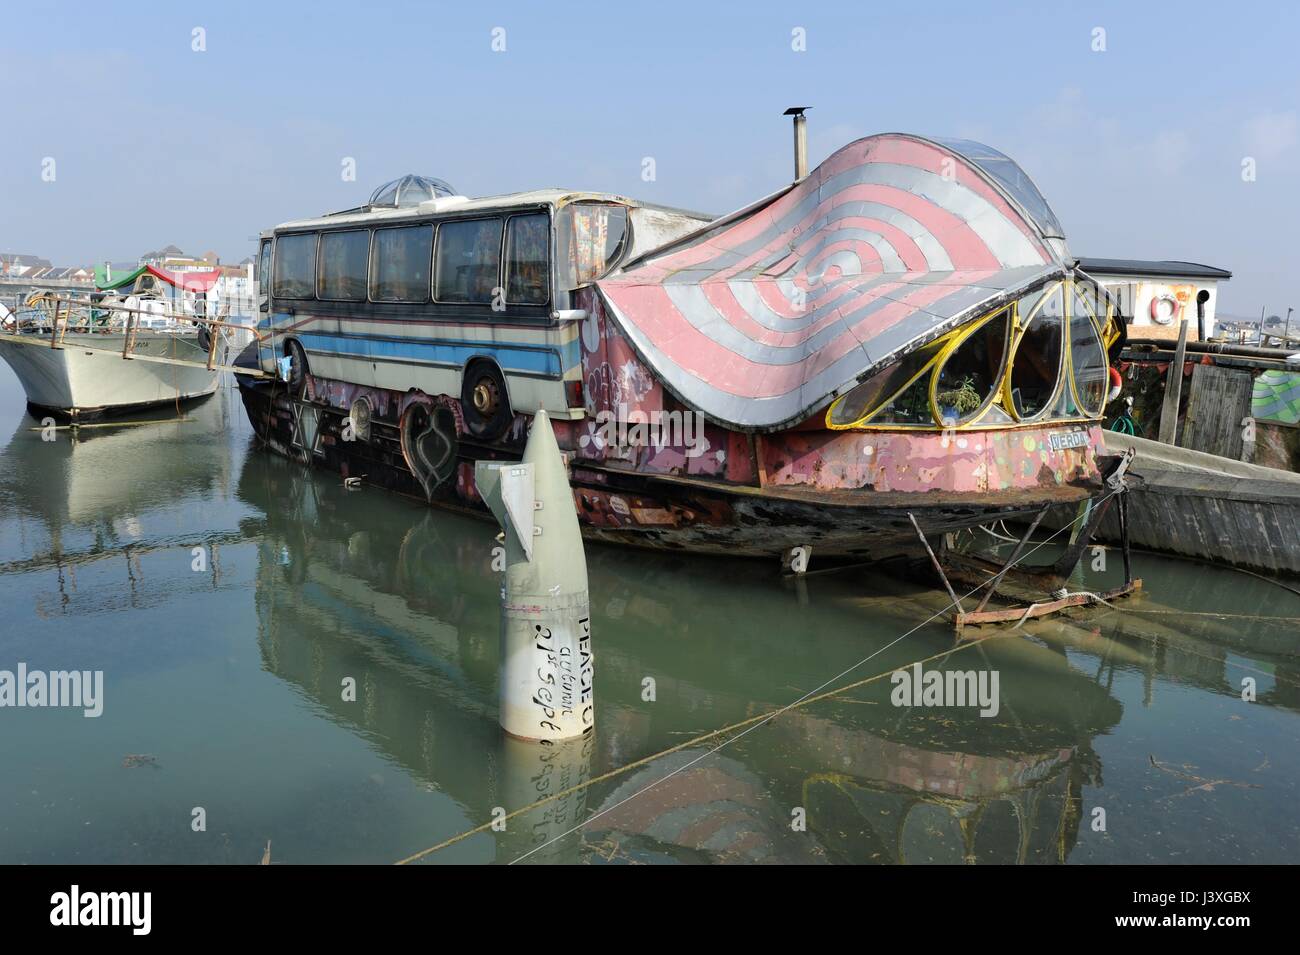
point(487, 397)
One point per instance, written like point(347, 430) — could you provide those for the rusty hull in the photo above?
point(800, 490)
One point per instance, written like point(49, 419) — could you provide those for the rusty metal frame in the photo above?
point(975, 569)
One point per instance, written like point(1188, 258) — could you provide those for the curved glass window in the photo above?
point(592, 236)
point(971, 375)
point(886, 383)
point(910, 406)
point(1087, 358)
point(410, 190)
point(1012, 178)
point(1036, 362)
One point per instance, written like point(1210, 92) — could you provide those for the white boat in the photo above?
point(109, 354)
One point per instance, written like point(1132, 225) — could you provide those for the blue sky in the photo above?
point(1138, 148)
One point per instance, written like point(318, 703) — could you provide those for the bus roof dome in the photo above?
point(410, 190)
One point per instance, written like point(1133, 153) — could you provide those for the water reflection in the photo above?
point(237, 679)
point(405, 601)
point(114, 494)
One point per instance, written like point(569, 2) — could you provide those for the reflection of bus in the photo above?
point(901, 330)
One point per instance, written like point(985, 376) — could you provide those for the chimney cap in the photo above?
point(795, 110)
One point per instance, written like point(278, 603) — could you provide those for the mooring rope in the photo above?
point(745, 726)
point(695, 741)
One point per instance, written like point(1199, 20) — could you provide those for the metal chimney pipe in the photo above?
point(800, 141)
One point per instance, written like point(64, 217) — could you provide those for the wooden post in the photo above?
point(1173, 390)
point(128, 337)
point(54, 326)
point(212, 346)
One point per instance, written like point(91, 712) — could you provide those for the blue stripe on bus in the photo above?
point(550, 360)
point(543, 361)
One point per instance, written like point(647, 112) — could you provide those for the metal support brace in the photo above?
point(938, 567)
point(1011, 561)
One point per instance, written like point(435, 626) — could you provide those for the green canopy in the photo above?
point(104, 283)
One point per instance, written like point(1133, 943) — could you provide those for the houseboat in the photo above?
point(901, 334)
point(139, 342)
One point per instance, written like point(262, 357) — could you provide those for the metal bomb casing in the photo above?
point(546, 658)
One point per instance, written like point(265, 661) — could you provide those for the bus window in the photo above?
point(528, 248)
point(295, 266)
point(264, 273)
point(344, 257)
point(469, 259)
point(591, 239)
point(399, 264)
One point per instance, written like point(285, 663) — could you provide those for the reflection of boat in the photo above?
point(108, 479)
point(891, 789)
point(101, 476)
point(901, 330)
point(405, 602)
point(110, 496)
point(113, 352)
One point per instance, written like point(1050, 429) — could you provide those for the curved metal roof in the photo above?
point(760, 319)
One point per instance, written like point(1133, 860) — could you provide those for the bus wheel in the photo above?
point(297, 367)
point(485, 402)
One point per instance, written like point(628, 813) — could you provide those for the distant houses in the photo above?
point(17, 266)
point(13, 265)
point(234, 288)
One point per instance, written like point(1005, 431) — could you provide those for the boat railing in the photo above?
point(78, 314)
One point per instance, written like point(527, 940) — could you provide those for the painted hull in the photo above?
point(662, 511)
point(88, 377)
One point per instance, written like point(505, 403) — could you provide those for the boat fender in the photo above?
point(1116, 384)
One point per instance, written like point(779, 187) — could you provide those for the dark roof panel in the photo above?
point(1149, 267)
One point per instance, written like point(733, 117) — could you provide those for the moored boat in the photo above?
point(900, 334)
point(68, 353)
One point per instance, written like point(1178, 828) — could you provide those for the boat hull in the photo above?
point(660, 511)
point(88, 378)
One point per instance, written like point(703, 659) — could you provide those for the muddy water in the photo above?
point(231, 599)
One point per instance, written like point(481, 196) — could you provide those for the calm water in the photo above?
point(223, 690)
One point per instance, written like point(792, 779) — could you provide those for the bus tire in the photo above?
point(484, 401)
point(298, 370)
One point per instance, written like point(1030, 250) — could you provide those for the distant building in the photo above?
point(172, 259)
point(235, 289)
point(13, 265)
point(1155, 297)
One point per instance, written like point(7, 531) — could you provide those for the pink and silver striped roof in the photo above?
point(763, 317)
